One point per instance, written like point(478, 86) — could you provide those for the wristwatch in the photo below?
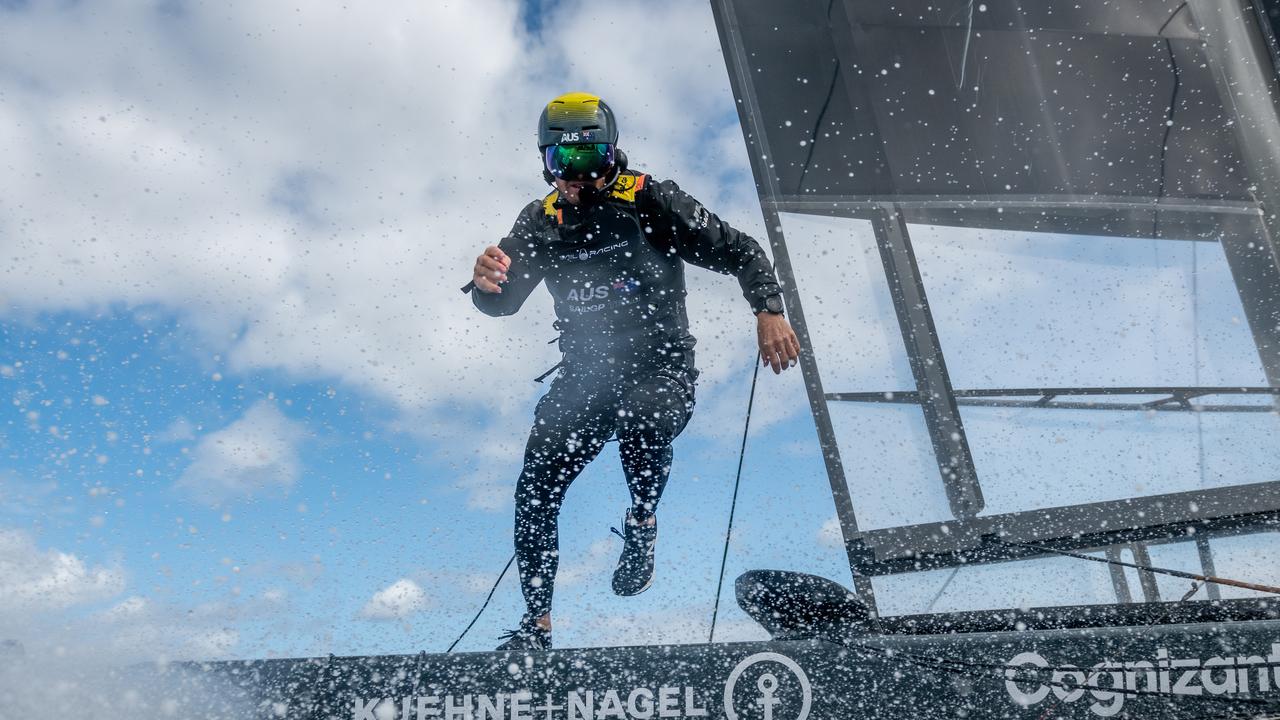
point(772, 304)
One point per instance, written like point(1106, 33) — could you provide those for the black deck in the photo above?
point(1191, 670)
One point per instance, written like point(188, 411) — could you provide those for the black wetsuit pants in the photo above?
point(647, 403)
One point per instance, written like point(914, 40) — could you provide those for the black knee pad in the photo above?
point(654, 412)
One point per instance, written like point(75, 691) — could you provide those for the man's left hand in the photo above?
point(779, 346)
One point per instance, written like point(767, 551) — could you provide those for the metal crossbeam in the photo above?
point(1175, 398)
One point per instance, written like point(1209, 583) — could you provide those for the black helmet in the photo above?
point(576, 119)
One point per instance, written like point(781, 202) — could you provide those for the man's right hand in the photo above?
point(491, 269)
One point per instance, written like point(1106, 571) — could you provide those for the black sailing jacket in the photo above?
point(616, 269)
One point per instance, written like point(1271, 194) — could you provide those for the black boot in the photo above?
point(529, 636)
point(634, 573)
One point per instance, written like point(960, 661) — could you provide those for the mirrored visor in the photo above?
point(579, 162)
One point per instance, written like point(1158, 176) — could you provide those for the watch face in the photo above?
point(773, 303)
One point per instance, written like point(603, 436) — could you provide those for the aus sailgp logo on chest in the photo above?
point(600, 292)
point(1030, 679)
point(588, 293)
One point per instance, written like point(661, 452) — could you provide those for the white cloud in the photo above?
point(462, 583)
point(143, 628)
point(213, 642)
point(33, 580)
point(598, 562)
point(495, 462)
point(20, 496)
point(82, 664)
point(309, 199)
point(255, 455)
point(277, 165)
point(303, 574)
point(179, 430)
point(42, 589)
point(399, 600)
point(130, 607)
point(829, 534)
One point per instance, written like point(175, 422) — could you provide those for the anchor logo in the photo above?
point(768, 684)
point(767, 703)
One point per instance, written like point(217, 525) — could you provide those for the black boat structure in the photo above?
point(1044, 142)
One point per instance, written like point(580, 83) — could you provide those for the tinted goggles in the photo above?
point(579, 162)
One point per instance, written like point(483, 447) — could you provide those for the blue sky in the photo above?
point(248, 414)
point(108, 421)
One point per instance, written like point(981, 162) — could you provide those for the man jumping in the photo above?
point(611, 245)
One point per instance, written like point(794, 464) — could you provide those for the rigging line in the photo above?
point(485, 605)
point(945, 585)
point(1168, 125)
point(964, 54)
point(724, 556)
point(1149, 568)
point(817, 125)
